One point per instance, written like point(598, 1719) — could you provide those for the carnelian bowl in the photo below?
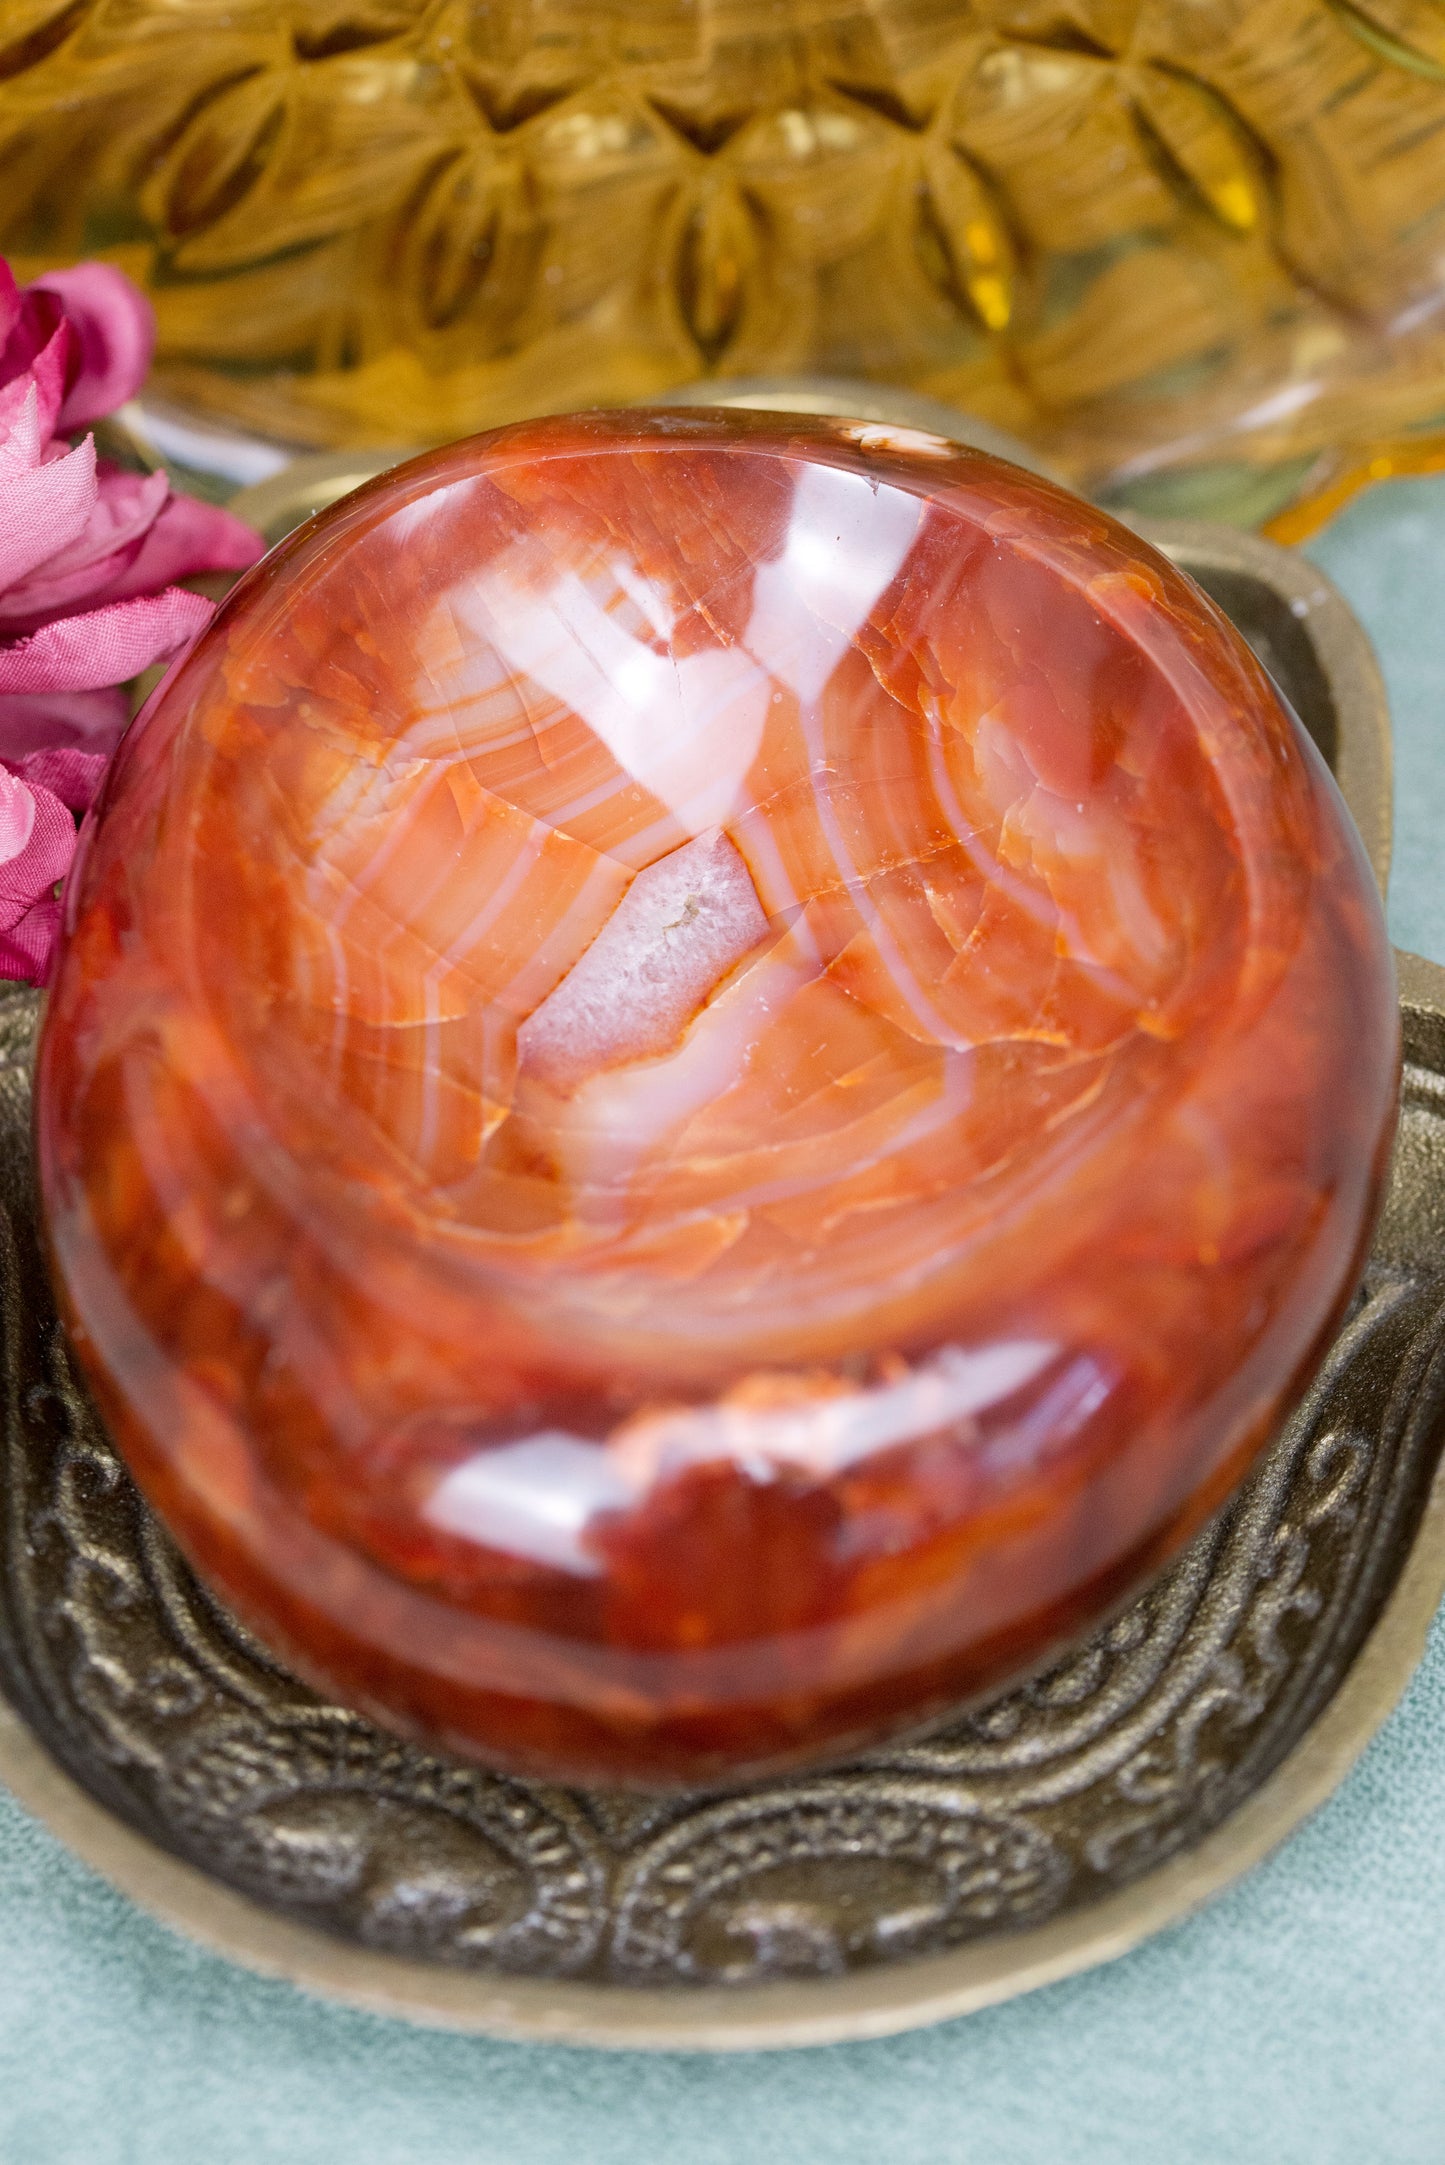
point(713, 1076)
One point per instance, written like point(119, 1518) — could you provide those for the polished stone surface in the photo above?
point(711, 1079)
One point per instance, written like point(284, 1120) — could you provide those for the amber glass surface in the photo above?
point(1139, 232)
point(712, 1076)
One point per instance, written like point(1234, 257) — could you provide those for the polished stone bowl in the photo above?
point(713, 1077)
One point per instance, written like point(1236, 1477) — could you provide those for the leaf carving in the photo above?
point(34, 30)
point(301, 151)
point(1200, 139)
point(220, 156)
point(348, 34)
point(719, 255)
point(473, 242)
point(975, 241)
point(1409, 34)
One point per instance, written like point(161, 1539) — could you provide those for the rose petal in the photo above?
point(72, 776)
point(92, 722)
point(37, 842)
point(188, 537)
point(85, 573)
point(9, 302)
point(25, 434)
point(27, 949)
point(202, 537)
point(43, 509)
point(23, 442)
point(24, 445)
point(17, 818)
point(39, 319)
point(115, 331)
point(105, 646)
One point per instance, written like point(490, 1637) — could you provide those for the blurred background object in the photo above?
point(1193, 251)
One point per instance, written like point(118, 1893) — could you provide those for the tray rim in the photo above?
point(871, 2003)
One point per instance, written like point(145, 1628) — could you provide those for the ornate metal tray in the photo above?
point(1044, 1832)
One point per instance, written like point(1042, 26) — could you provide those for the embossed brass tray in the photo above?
point(1045, 1832)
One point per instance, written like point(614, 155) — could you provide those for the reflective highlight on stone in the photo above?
point(710, 1081)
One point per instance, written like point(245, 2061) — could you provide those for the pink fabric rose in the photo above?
point(88, 559)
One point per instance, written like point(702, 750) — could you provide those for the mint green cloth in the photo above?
point(1299, 2021)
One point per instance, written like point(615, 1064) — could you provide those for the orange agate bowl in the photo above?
point(713, 1075)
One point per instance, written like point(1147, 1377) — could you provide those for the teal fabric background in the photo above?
point(1298, 2021)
